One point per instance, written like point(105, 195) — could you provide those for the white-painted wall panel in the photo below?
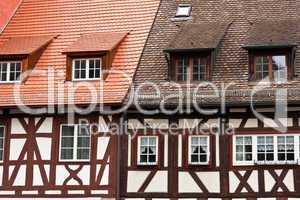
point(186, 183)
point(211, 180)
point(16, 146)
point(159, 182)
point(135, 180)
point(44, 145)
point(84, 175)
point(102, 147)
point(46, 126)
point(16, 127)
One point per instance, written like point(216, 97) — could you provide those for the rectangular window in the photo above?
point(192, 68)
point(243, 148)
point(147, 150)
point(271, 67)
point(75, 142)
point(286, 148)
point(183, 11)
point(266, 149)
point(198, 150)
point(2, 128)
point(10, 72)
point(86, 69)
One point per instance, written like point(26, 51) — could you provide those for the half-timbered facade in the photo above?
point(56, 59)
point(218, 116)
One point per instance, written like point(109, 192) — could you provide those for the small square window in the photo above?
point(87, 69)
point(198, 150)
point(183, 11)
point(147, 150)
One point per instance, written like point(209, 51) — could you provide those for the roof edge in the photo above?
point(13, 14)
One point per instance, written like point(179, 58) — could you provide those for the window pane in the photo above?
point(83, 154)
point(182, 69)
point(67, 131)
point(1, 154)
point(67, 142)
point(67, 154)
point(261, 67)
point(279, 68)
point(83, 142)
point(3, 71)
point(199, 65)
point(1, 131)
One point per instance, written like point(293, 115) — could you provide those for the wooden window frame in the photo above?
point(174, 71)
point(75, 145)
point(87, 69)
point(253, 54)
point(8, 71)
point(139, 163)
point(190, 150)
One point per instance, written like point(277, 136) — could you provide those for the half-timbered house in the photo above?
point(216, 103)
point(58, 57)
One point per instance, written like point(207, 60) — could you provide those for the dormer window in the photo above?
point(270, 65)
point(86, 69)
point(183, 10)
point(191, 67)
point(10, 71)
point(91, 56)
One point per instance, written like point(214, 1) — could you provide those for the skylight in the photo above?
point(183, 11)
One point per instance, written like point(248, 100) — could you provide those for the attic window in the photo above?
point(183, 11)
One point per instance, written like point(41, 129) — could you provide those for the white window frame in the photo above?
point(75, 145)
point(4, 131)
point(139, 151)
point(244, 162)
point(87, 69)
point(190, 150)
point(184, 6)
point(254, 151)
point(8, 71)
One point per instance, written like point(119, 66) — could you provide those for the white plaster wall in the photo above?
point(37, 177)
point(102, 147)
point(16, 127)
point(187, 184)
point(103, 126)
point(16, 146)
point(61, 175)
point(251, 123)
point(46, 126)
point(211, 180)
point(159, 183)
point(44, 145)
point(84, 175)
point(135, 180)
point(21, 176)
point(157, 123)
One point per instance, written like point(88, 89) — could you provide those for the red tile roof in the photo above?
point(24, 45)
point(94, 42)
point(70, 19)
point(7, 9)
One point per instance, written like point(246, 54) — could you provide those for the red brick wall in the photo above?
point(7, 8)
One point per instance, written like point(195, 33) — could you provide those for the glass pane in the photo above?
point(239, 140)
point(239, 148)
point(83, 130)
point(83, 142)
point(290, 156)
point(281, 139)
point(281, 156)
point(290, 139)
point(248, 148)
point(1, 154)
point(143, 158)
point(152, 141)
point(195, 149)
point(83, 154)
point(67, 142)
point(144, 141)
point(152, 158)
point(269, 139)
point(143, 150)
point(279, 68)
point(77, 64)
point(261, 140)
point(260, 157)
point(1, 131)
point(67, 131)
point(239, 157)
point(248, 140)
point(270, 156)
point(194, 140)
point(67, 154)
point(248, 157)
point(203, 158)
point(203, 141)
point(194, 158)
point(152, 150)
point(1, 143)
